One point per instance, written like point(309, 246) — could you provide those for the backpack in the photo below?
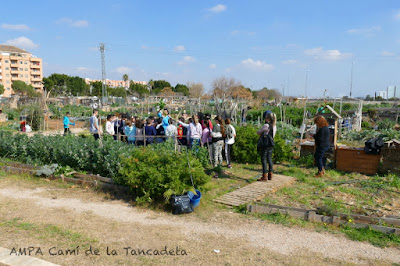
point(266, 140)
point(229, 132)
point(374, 145)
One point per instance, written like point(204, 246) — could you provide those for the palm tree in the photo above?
point(125, 77)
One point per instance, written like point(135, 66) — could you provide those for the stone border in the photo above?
point(359, 221)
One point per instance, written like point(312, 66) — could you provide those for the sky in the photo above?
point(298, 47)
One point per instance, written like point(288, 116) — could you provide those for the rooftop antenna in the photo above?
point(103, 74)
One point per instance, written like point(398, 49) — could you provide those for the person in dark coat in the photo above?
point(322, 144)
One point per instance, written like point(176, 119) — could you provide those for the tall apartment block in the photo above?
point(18, 64)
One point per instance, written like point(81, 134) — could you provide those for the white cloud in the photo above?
point(18, 27)
point(257, 65)
point(123, 70)
point(73, 23)
point(186, 60)
point(22, 42)
point(321, 54)
point(218, 8)
point(179, 48)
point(365, 31)
point(80, 23)
point(387, 53)
point(212, 66)
point(289, 62)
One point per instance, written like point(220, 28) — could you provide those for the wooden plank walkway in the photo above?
point(255, 191)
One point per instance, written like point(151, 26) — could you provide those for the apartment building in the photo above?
point(116, 83)
point(18, 64)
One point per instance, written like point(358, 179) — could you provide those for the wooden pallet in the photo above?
point(255, 191)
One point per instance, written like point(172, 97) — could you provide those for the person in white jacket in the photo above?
point(230, 134)
point(110, 125)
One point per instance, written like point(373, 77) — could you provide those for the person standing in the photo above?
point(66, 124)
point(110, 125)
point(321, 144)
point(194, 131)
point(266, 153)
point(139, 132)
point(165, 118)
point(218, 135)
point(149, 130)
point(130, 131)
point(94, 125)
point(160, 131)
point(230, 133)
point(171, 130)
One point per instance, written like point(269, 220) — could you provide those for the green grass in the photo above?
point(374, 237)
point(50, 233)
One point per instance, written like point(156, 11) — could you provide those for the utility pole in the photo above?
point(103, 74)
point(351, 80)
point(305, 90)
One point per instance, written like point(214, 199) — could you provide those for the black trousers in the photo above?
point(96, 136)
point(266, 160)
point(228, 149)
point(320, 159)
point(66, 131)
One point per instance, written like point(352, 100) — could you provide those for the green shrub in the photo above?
point(282, 151)
point(386, 124)
point(245, 148)
point(365, 124)
point(154, 174)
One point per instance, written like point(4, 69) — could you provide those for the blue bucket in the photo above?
point(194, 199)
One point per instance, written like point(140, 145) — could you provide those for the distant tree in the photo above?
point(21, 88)
point(64, 85)
point(159, 85)
point(196, 90)
point(378, 98)
point(242, 93)
point(77, 86)
point(96, 88)
point(167, 91)
point(223, 87)
point(138, 88)
point(369, 98)
point(269, 94)
point(2, 89)
point(117, 92)
point(181, 88)
point(125, 77)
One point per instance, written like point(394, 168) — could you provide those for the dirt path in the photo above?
point(222, 238)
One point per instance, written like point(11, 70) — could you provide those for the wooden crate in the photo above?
point(356, 160)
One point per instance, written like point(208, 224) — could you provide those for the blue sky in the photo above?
point(261, 43)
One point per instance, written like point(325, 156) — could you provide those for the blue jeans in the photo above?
point(194, 142)
point(319, 157)
point(266, 160)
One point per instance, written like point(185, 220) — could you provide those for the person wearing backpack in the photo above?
point(230, 133)
point(269, 128)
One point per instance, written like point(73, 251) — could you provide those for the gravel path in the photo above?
point(260, 234)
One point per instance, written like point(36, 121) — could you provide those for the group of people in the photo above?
point(198, 130)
